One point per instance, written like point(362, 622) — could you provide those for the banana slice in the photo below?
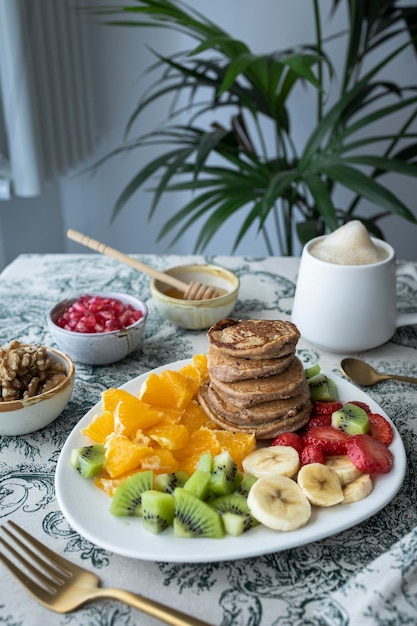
point(320, 484)
point(344, 468)
point(279, 503)
point(359, 489)
point(282, 460)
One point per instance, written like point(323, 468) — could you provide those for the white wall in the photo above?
point(118, 58)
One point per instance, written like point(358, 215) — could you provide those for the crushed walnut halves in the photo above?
point(26, 371)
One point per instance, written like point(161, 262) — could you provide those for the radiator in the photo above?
point(45, 93)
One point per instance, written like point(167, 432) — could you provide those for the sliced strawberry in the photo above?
point(329, 439)
point(326, 407)
point(319, 420)
point(362, 405)
point(312, 454)
point(289, 439)
point(380, 428)
point(369, 455)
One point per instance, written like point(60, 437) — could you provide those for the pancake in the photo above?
point(244, 393)
point(229, 369)
point(268, 429)
point(258, 413)
point(254, 339)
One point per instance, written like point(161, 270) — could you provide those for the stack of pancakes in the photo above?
point(256, 382)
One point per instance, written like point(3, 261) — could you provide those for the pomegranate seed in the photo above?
point(95, 314)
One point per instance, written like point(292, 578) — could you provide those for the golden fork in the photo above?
point(62, 586)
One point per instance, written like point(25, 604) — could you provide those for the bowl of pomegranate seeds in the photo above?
point(98, 328)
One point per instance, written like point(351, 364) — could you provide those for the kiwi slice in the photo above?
point(225, 477)
point(127, 499)
point(234, 524)
point(322, 388)
point(88, 460)
point(168, 482)
point(244, 487)
point(157, 510)
point(199, 484)
point(205, 462)
point(311, 371)
point(195, 518)
point(231, 507)
point(351, 419)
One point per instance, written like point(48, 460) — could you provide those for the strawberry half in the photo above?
point(380, 428)
point(289, 439)
point(326, 407)
point(361, 405)
point(369, 455)
point(312, 454)
point(318, 420)
point(329, 439)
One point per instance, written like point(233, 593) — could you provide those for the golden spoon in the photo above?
point(191, 291)
point(364, 374)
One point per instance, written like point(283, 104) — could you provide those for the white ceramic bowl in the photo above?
point(99, 348)
point(197, 314)
point(19, 417)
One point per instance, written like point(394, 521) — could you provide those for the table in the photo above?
point(367, 573)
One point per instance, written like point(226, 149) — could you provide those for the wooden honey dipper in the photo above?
point(192, 291)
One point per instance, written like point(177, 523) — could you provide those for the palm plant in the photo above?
point(232, 169)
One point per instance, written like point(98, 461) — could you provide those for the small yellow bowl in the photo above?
point(196, 314)
point(19, 417)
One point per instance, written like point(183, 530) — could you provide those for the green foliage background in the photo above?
point(230, 169)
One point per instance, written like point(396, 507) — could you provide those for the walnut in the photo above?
point(53, 382)
point(32, 388)
point(27, 371)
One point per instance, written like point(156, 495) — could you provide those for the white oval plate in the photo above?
point(86, 507)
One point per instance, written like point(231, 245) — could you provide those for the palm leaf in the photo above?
point(142, 176)
point(364, 186)
point(335, 112)
point(383, 164)
point(323, 200)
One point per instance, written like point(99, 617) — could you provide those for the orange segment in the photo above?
point(123, 455)
point(192, 372)
point(194, 417)
point(109, 485)
point(100, 427)
point(160, 461)
point(140, 438)
point(170, 389)
point(112, 396)
point(131, 414)
point(200, 441)
point(169, 417)
point(238, 444)
point(172, 437)
point(200, 362)
point(197, 370)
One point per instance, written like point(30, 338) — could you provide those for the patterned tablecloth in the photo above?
point(366, 575)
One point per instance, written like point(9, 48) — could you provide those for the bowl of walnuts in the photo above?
point(36, 383)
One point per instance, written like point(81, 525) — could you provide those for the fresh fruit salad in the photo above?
point(159, 457)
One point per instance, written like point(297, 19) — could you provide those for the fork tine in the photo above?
point(41, 593)
point(46, 573)
point(61, 565)
point(36, 574)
